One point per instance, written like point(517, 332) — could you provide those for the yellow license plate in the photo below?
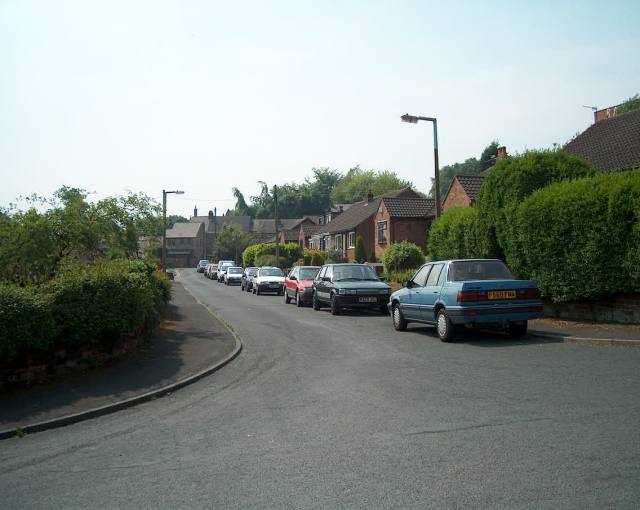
point(502, 294)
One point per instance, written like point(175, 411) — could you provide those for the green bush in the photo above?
point(26, 321)
point(581, 238)
point(510, 181)
point(313, 257)
point(454, 234)
point(289, 253)
point(249, 255)
point(402, 256)
point(335, 257)
point(398, 276)
point(266, 260)
point(360, 254)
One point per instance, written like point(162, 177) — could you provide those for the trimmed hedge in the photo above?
point(26, 321)
point(510, 181)
point(82, 305)
point(313, 257)
point(455, 234)
point(402, 256)
point(289, 253)
point(581, 239)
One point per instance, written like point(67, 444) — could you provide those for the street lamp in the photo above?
point(412, 119)
point(164, 225)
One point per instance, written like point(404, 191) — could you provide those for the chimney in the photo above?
point(502, 152)
point(369, 196)
point(210, 215)
point(195, 211)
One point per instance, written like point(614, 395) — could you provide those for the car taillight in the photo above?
point(529, 293)
point(466, 296)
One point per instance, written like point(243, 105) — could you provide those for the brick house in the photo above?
point(463, 191)
point(612, 143)
point(185, 244)
point(358, 221)
point(402, 219)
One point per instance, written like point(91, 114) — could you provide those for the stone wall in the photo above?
point(623, 309)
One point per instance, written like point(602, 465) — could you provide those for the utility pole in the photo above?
point(275, 204)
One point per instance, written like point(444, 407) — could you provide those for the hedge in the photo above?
point(289, 253)
point(83, 304)
point(455, 235)
point(402, 256)
point(581, 239)
point(510, 181)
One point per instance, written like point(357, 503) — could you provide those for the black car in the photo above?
point(349, 286)
point(247, 278)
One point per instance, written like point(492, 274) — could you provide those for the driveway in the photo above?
point(322, 412)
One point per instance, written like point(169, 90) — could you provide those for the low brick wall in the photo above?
point(623, 309)
point(62, 361)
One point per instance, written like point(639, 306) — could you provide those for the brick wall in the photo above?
point(366, 230)
point(624, 309)
point(456, 197)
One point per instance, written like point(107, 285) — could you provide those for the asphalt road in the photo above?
point(323, 412)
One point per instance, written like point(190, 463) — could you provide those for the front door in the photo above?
point(413, 300)
point(431, 292)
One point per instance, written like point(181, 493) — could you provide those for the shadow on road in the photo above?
point(485, 338)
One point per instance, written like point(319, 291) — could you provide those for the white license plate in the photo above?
point(367, 299)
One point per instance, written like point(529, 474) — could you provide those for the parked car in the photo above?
point(473, 292)
point(268, 279)
point(201, 265)
point(233, 275)
point(213, 271)
point(298, 285)
point(247, 278)
point(207, 270)
point(349, 286)
point(222, 269)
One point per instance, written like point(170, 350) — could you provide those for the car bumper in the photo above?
point(351, 301)
point(233, 281)
point(494, 314)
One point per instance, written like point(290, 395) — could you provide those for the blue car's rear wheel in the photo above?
point(444, 326)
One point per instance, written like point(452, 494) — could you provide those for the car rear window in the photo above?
point(308, 273)
point(271, 271)
point(234, 270)
point(354, 272)
point(464, 270)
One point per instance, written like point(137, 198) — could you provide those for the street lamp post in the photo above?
point(275, 204)
point(412, 119)
point(164, 226)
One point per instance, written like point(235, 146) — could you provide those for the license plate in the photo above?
point(274, 285)
point(502, 294)
point(367, 299)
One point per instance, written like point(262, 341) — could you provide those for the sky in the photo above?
point(204, 96)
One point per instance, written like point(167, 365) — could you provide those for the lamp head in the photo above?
point(411, 119)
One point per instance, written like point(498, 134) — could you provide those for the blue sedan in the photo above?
point(472, 292)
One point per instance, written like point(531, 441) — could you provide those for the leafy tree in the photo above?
point(402, 256)
point(360, 254)
point(231, 242)
point(633, 103)
point(355, 185)
point(172, 219)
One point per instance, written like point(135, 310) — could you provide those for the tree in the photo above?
point(633, 103)
point(360, 254)
point(231, 242)
point(354, 186)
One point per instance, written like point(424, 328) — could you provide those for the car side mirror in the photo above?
point(292, 278)
point(408, 284)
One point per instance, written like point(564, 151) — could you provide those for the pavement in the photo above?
point(189, 344)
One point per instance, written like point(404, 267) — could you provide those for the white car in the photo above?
point(222, 270)
point(268, 279)
point(233, 275)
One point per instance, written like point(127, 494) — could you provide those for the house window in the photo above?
point(352, 240)
point(339, 243)
point(382, 232)
point(327, 242)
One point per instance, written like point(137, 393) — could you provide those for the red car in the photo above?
point(298, 284)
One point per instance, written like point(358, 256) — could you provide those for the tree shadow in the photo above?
point(484, 337)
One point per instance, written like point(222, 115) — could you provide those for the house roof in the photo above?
point(610, 144)
point(471, 184)
point(410, 207)
point(290, 235)
point(310, 229)
point(360, 211)
point(264, 226)
point(184, 230)
point(216, 223)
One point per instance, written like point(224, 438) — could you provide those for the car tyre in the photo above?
point(315, 302)
point(298, 300)
point(444, 326)
point(257, 292)
point(335, 306)
point(516, 330)
point(287, 299)
point(399, 322)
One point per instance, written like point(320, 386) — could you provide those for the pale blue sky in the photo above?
point(203, 96)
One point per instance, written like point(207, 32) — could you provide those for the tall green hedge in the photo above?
point(510, 181)
point(581, 239)
point(82, 304)
point(289, 253)
point(455, 234)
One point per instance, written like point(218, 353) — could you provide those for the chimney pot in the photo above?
point(502, 152)
point(369, 196)
point(195, 211)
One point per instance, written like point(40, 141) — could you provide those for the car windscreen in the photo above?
point(271, 271)
point(234, 270)
point(463, 270)
point(353, 273)
point(308, 273)
point(203, 262)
